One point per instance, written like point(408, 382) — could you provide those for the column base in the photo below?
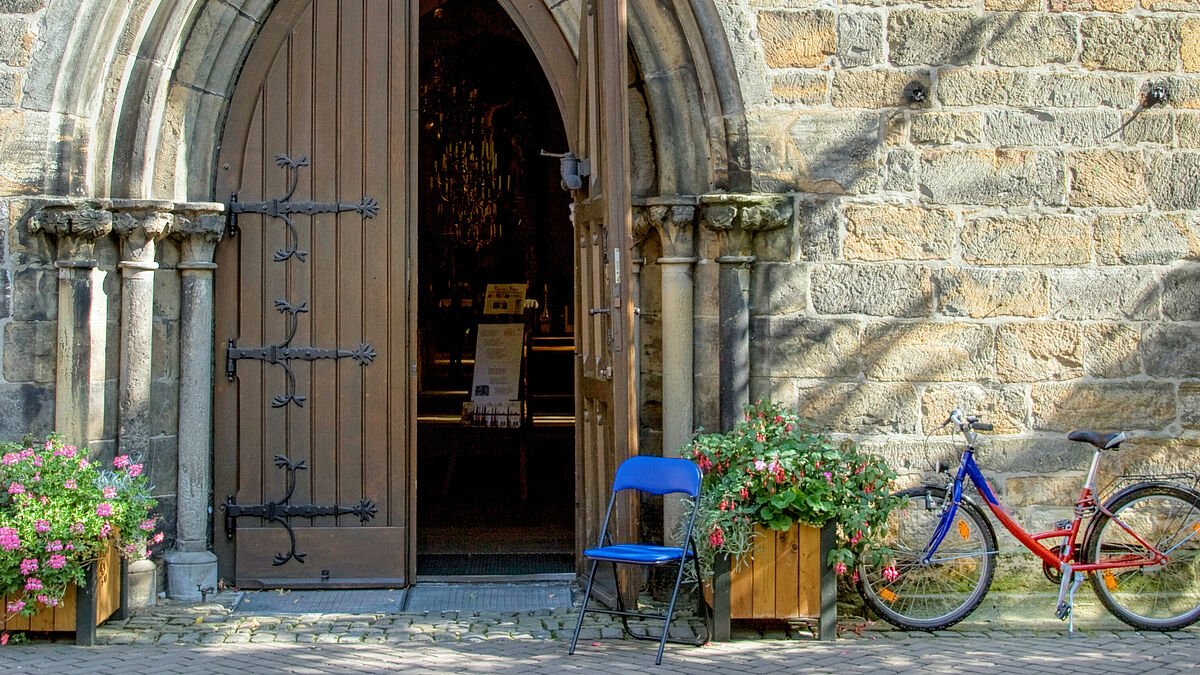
point(188, 572)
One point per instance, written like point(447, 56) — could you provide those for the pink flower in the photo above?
point(16, 605)
point(10, 458)
point(9, 539)
point(77, 528)
point(83, 463)
point(55, 545)
point(760, 437)
point(121, 461)
point(110, 492)
point(157, 539)
point(854, 577)
point(891, 573)
point(69, 484)
point(147, 524)
point(135, 470)
point(105, 509)
point(42, 525)
point(15, 488)
point(760, 465)
point(105, 530)
point(29, 566)
point(839, 568)
point(716, 537)
point(33, 584)
point(69, 546)
point(57, 561)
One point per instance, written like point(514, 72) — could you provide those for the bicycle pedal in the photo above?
point(1062, 525)
point(1062, 611)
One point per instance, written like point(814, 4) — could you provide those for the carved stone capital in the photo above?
point(737, 217)
point(198, 227)
point(674, 218)
point(75, 224)
point(139, 223)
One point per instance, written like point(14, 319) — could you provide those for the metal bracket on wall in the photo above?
point(277, 511)
point(281, 353)
point(283, 207)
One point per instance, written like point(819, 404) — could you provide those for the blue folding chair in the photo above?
point(660, 476)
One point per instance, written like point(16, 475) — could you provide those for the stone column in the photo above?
point(82, 314)
point(675, 224)
point(735, 219)
point(139, 224)
point(192, 565)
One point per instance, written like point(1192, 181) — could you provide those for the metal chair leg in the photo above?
point(670, 611)
point(583, 610)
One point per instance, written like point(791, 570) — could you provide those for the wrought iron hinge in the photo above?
point(279, 510)
point(281, 353)
point(283, 207)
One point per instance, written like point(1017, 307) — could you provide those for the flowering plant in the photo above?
point(59, 512)
point(773, 470)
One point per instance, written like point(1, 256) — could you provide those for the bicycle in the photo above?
point(1141, 548)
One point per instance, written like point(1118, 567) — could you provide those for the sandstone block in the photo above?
point(1189, 405)
point(1129, 294)
point(1052, 490)
point(10, 88)
point(778, 288)
point(1012, 5)
point(923, 351)
point(859, 38)
point(860, 407)
point(1035, 352)
point(1130, 44)
point(983, 293)
point(1028, 240)
point(1064, 406)
point(16, 41)
point(1170, 5)
point(992, 177)
point(162, 466)
point(1107, 178)
point(875, 289)
point(1050, 127)
point(1174, 180)
point(1151, 126)
point(923, 37)
point(801, 88)
point(1146, 238)
point(1169, 350)
point(1148, 455)
point(1189, 38)
point(5, 294)
point(1118, 6)
point(1186, 127)
point(942, 128)
point(1110, 350)
point(1183, 89)
point(892, 232)
point(901, 170)
point(984, 86)
point(707, 402)
point(707, 347)
point(24, 137)
point(818, 224)
point(167, 286)
point(797, 39)
point(165, 346)
point(772, 389)
point(30, 348)
point(1003, 407)
point(30, 409)
point(875, 88)
point(1031, 39)
point(911, 459)
point(934, 4)
point(833, 152)
point(35, 294)
point(1084, 90)
point(798, 346)
point(21, 6)
point(1181, 293)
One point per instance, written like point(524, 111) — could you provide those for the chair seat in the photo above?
point(636, 553)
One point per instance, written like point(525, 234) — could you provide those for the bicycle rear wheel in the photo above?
point(928, 596)
point(1155, 597)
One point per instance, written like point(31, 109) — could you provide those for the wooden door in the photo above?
point(312, 326)
point(606, 396)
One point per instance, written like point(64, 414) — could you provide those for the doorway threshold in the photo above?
point(495, 578)
point(507, 596)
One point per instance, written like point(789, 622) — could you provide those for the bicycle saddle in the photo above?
point(1102, 441)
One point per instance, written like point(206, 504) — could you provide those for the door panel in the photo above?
point(606, 425)
point(334, 86)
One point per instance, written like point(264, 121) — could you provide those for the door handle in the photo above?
point(599, 310)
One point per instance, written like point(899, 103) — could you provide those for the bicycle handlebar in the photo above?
point(964, 421)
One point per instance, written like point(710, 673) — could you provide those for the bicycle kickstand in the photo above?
point(1066, 597)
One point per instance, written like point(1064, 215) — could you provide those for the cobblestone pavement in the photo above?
point(207, 638)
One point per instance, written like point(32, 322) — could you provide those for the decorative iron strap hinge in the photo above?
point(278, 511)
point(281, 353)
point(283, 207)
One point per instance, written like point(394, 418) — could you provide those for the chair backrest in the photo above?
point(658, 475)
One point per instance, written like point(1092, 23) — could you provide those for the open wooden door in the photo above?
point(606, 408)
point(313, 403)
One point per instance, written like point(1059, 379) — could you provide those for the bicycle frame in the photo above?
point(969, 469)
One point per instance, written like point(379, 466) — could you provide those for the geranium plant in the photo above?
point(59, 511)
point(773, 469)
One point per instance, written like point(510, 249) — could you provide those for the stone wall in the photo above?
point(1018, 237)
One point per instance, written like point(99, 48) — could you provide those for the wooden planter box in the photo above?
point(104, 580)
point(785, 578)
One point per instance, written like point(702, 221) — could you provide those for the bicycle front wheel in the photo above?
point(1149, 597)
point(916, 595)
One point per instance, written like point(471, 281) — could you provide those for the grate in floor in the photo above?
point(516, 597)
point(284, 602)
